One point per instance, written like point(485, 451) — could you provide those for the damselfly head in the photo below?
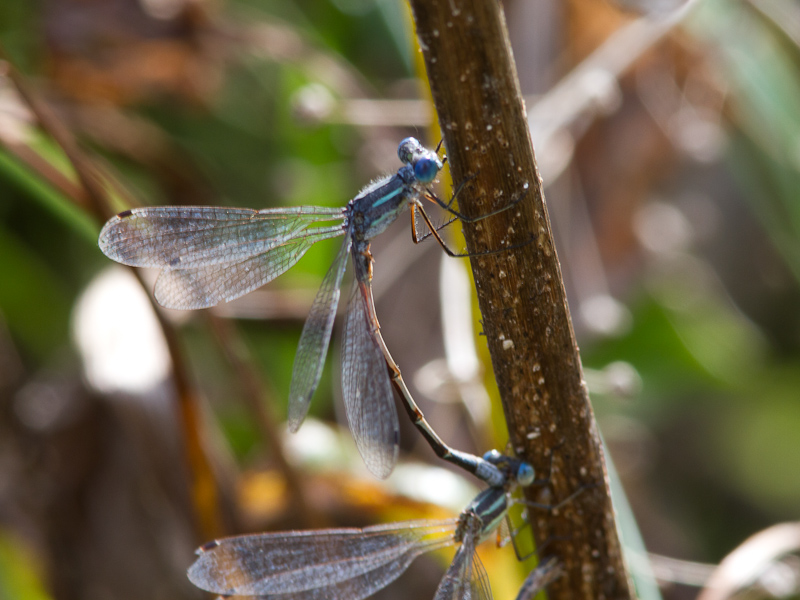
point(426, 169)
point(426, 163)
point(494, 457)
point(525, 474)
point(519, 471)
point(409, 149)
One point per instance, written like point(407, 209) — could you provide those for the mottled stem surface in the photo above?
point(521, 292)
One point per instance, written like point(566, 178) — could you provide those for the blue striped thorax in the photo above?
point(490, 507)
point(381, 202)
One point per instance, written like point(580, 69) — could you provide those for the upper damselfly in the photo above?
point(355, 563)
point(209, 255)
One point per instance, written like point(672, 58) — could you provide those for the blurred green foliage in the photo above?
point(715, 338)
point(20, 577)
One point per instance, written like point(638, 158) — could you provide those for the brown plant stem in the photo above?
point(520, 291)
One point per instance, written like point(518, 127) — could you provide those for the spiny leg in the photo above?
point(448, 206)
point(546, 481)
point(548, 570)
point(554, 507)
point(415, 235)
point(434, 231)
point(514, 531)
point(536, 551)
point(543, 575)
point(460, 187)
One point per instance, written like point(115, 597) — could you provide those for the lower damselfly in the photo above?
point(354, 563)
point(209, 255)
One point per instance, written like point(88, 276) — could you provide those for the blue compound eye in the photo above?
point(525, 474)
point(407, 149)
point(425, 169)
point(492, 456)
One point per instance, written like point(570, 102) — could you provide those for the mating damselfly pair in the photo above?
point(210, 255)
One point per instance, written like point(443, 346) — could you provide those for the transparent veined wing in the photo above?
point(465, 578)
point(367, 389)
point(180, 237)
point(480, 589)
point(357, 588)
point(313, 345)
point(298, 562)
point(209, 285)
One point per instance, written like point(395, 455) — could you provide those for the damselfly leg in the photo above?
point(433, 230)
point(543, 575)
point(448, 206)
point(514, 531)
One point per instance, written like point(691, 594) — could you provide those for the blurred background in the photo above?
point(668, 137)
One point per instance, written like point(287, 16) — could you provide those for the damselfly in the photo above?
point(356, 563)
point(210, 255)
